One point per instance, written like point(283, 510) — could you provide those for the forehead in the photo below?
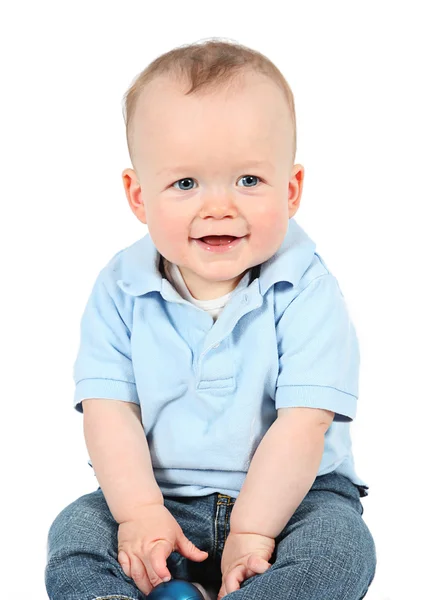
point(250, 116)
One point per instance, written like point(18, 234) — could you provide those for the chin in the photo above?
point(228, 276)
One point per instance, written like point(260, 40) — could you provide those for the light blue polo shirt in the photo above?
point(209, 388)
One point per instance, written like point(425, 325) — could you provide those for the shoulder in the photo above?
point(107, 297)
point(128, 264)
point(315, 282)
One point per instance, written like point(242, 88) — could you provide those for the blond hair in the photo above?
point(211, 65)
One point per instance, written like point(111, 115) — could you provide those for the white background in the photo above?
point(368, 80)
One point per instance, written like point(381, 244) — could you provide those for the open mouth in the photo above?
point(219, 243)
point(218, 240)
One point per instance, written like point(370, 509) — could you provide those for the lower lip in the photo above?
point(220, 248)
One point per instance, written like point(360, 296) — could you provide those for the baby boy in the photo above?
point(218, 367)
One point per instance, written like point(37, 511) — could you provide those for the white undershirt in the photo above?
point(214, 306)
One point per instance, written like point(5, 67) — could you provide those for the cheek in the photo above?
point(167, 227)
point(271, 223)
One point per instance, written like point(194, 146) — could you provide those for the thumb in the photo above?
point(189, 550)
point(257, 564)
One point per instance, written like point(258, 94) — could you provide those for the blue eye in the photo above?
point(249, 177)
point(181, 180)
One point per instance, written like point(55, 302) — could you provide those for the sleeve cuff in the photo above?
point(312, 396)
point(104, 388)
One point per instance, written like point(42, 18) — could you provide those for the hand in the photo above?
point(147, 540)
point(244, 555)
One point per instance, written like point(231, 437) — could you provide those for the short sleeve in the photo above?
point(103, 367)
point(318, 352)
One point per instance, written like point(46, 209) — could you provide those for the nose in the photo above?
point(218, 206)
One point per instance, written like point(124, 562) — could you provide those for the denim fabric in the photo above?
point(325, 552)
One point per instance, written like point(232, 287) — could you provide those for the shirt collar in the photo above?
point(138, 265)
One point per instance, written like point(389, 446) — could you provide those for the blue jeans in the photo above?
point(325, 552)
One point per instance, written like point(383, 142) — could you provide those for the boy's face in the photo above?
point(195, 175)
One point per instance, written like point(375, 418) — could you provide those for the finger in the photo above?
point(234, 578)
point(249, 573)
point(189, 550)
point(124, 561)
point(222, 592)
point(139, 575)
point(158, 561)
point(258, 564)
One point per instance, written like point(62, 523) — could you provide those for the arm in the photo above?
point(318, 366)
point(282, 471)
point(120, 455)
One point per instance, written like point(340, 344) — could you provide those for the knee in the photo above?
point(352, 548)
point(81, 521)
point(341, 543)
point(367, 553)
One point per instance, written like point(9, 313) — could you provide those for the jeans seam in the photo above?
point(228, 503)
point(227, 516)
point(216, 511)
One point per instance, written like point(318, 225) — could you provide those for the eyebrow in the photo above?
point(185, 169)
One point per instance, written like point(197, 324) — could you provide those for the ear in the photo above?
point(295, 189)
point(133, 192)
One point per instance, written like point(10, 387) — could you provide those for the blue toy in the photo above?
point(175, 589)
